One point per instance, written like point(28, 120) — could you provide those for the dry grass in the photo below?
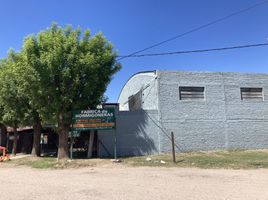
point(240, 159)
point(52, 163)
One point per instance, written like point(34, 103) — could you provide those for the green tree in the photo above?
point(16, 106)
point(28, 86)
point(3, 130)
point(73, 70)
point(11, 103)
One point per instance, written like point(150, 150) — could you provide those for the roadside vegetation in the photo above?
point(53, 163)
point(240, 159)
point(56, 71)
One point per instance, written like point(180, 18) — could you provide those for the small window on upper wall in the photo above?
point(251, 94)
point(192, 93)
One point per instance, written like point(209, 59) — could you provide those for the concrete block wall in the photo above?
point(220, 121)
point(247, 121)
point(136, 134)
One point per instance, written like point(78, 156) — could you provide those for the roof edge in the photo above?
point(141, 72)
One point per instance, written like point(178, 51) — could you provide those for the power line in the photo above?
point(163, 130)
point(199, 50)
point(196, 29)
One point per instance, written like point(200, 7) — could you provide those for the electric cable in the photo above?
point(199, 50)
point(196, 29)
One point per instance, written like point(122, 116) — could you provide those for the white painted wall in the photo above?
point(147, 81)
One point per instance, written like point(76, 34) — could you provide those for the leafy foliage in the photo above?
point(72, 71)
point(57, 71)
point(14, 105)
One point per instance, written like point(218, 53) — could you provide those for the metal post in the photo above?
point(72, 141)
point(115, 149)
point(71, 148)
point(173, 147)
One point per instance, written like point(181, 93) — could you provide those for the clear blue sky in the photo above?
point(134, 24)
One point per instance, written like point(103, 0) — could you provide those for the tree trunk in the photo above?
point(36, 138)
point(63, 150)
point(15, 140)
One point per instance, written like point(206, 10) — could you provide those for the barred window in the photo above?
point(192, 93)
point(251, 94)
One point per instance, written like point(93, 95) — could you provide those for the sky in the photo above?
point(132, 25)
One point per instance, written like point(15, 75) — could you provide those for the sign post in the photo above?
point(72, 143)
point(98, 119)
point(73, 134)
point(115, 149)
point(71, 148)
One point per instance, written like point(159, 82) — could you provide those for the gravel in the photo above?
point(115, 182)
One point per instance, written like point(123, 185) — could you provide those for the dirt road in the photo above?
point(119, 182)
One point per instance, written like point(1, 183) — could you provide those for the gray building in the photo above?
point(206, 111)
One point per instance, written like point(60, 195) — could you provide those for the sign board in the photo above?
point(99, 119)
point(74, 133)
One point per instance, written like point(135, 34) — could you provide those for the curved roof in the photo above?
point(134, 75)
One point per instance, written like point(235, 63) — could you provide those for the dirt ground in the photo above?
point(117, 182)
